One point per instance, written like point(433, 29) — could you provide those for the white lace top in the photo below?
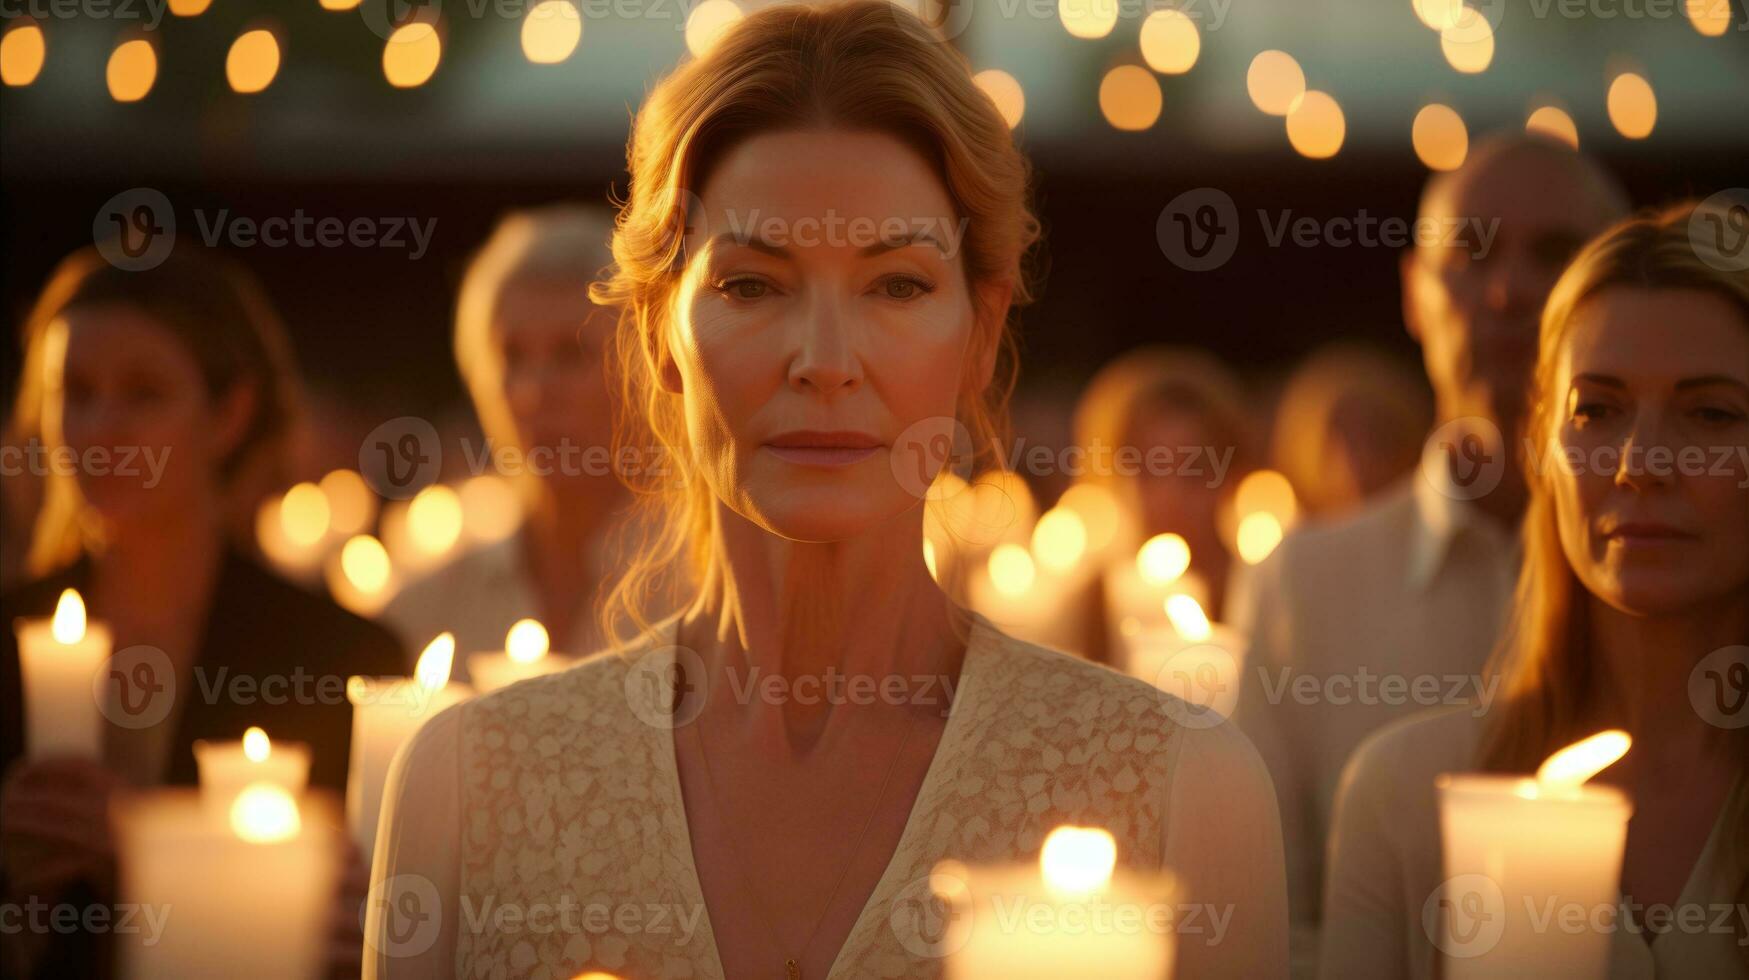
point(539, 831)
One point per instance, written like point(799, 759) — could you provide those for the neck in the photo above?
point(148, 569)
point(1647, 662)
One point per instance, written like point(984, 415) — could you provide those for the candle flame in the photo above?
point(1187, 617)
point(432, 671)
point(264, 813)
point(1011, 569)
point(68, 626)
point(1163, 559)
point(1572, 766)
point(1059, 539)
point(527, 641)
point(1259, 533)
point(256, 746)
point(1078, 859)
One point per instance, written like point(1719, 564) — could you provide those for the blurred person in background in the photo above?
point(1416, 584)
point(1350, 424)
point(166, 382)
point(532, 350)
point(1635, 589)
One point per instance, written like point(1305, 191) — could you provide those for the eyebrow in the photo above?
point(1702, 381)
point(919, 236)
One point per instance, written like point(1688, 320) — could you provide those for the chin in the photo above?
point(825, 510)
point(1654, 592)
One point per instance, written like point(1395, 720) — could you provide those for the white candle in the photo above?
point(249, 895)
point(292, 531)
point(526, 654)
point(59, 660)
point(1071, 915)
point(386, 712)
point(226, 768)
point(1024, 599)
point(1136, 591)
point(1193, 659)
point(1533, 867)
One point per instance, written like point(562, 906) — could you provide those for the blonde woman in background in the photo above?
point(1635, 583)
point(1350, 424)
point(533, 350)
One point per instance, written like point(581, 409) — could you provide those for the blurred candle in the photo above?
point(292, 530)
point(525, 654)
point(58, 661)
point(249, 894)
point(1192, 658)
point(227, 767)
point(1518, 851)
point(386, 712)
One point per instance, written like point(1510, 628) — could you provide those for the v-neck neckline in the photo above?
point(978, 638)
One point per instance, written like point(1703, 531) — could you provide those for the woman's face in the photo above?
point(551, 339)
point(822, 323)
point(1654, 389)
point(128, 401)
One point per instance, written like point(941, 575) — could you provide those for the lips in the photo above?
point(814, 448)
point(1645, 532)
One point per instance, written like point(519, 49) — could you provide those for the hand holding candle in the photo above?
point(58, 660)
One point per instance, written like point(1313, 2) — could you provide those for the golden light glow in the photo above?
point(527, 641)
point(1555, 124)
point(303, 514)
point(264, 813)
point(1163, 559)
point(1059, 539)
point(339, 4)
point(1004, 90)
point(352, 505)
point(1315, 125)
point(1259, 534)
point(432, 670)
point(929, 559)
point(708, 21)
point(1572, 766)
point(133, 67)
point(434, 519)
point(1078, 860)
point(491, 510)
point(365, 562)
point(1274, 82)
point(68, 626)
point(1087, 18)
point(1468, 43)
point(1011, 569)
point(1129, 98)
point(1438, 14)
point(1712, 18)
point(253, 61)
point(189, 8)
point(551, 32)
point(22, 53)
point(1170, 42)
point(1099, 513)
point(1633, 109)
point(256, 746)
point(411, 55)
point(1440, 137)
point(1187, 617)
point(1267, 492)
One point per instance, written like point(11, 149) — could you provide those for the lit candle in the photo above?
point(1025, 597)
point(226, 768)
point(360, 575)
point(59, 659)
point(1136, 591)
point(248, 894)
point(1071, 915)
point(1191, 658)
point(525, 654)
point(1525, 859)
point(292, 530)
point(386, 711)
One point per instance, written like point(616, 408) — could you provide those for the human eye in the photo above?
point(904, 287)
point(743, 287)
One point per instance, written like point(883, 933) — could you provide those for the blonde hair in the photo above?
point(1543, 658)
point(1146, 377)
point(864, 64)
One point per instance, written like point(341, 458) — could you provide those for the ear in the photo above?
point(1409, 272)
point(994, 299)
point(233, 412)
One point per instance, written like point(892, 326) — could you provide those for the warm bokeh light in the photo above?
point(1011, 569)
point(1087, 18)
point(411, 55)
point(491, 510)
point(189, 8)
point(1163, 559)
point(1129, 98)
point(1274, 81)
point(253, 61)
point(1712, 18)
point(1059, 539)
point(256, 745)
point(1633, 109)
point(23, 49)
point(1438, 14)
point(432, 670)
point(352, 504)
point(551, 32)
point(708, 21)
point(929, 559)
point(303, 514)
point(1440, 137)
point(1077, 860)
point(1554, 123)
point(1188, 618)
point(1468, 44)
point(264, 813)
point(527, 641)
point(365, 563)
point(1573, 765)
point(133, 67)
point(1259, 534)
point(339, 4)
point(1099, 511)
point(1170, 42)
point(434, 519)
point(1315, 125)
point(68, 624)
point(1267, 492)
point(1004, 90)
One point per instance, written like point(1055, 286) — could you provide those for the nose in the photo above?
point(1647, 458)
point(825, 359)
point(1515, 287)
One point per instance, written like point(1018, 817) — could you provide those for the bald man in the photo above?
point(1396, 609)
